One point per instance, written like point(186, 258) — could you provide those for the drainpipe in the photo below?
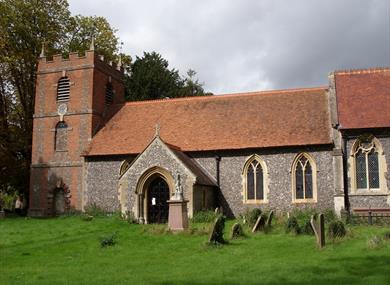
point(217, 161)
point(217, 164)
point(345, 172)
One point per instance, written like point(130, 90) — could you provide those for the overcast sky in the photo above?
point(250, 45)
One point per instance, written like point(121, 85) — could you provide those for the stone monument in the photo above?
point(177, 217)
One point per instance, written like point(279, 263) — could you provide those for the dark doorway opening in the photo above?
point(158, 195)
point(59, 201)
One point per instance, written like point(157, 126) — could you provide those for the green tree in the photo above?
point(24, 26)
point(150, 78)
point(82, 29)
point(192, 86)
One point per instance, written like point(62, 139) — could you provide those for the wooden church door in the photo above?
point(158, 195)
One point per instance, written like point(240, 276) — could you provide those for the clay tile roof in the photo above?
point(247, 120)
point(363, 98)
point(201, 176)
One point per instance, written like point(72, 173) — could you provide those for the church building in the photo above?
point(324, 147)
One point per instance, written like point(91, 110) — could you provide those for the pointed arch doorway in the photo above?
point(157, 196)
point(154, 188)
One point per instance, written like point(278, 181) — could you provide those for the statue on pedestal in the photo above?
point(178, 195)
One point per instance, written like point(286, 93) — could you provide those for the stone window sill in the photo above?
point(369, 193)
point(256, 202)
point(304, 201)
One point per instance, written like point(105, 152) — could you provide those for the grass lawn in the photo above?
point(67, 251)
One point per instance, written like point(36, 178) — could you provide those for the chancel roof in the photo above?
point(363, 98)
point(282, 118)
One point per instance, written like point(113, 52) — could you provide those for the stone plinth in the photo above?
point(178, 217)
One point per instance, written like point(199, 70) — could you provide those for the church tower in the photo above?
point(74, 97)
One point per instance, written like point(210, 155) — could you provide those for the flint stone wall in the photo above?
point(279, 163)
point(102, 175)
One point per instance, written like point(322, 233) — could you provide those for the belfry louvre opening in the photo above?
point(63, 89)
point(109, 94)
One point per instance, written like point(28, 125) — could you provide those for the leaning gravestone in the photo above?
point(216, 235)
point(260, 224)
point(318, 226)
point(269, 219)
point(237, 231)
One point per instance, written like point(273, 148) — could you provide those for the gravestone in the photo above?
point(260, 224)
point(269, 219)
point(237, 231)
point(318, 225)
point(216, 235)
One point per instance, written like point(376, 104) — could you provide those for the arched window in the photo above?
point(63, 89)
point(255, 180)
point(304, 176)
point(61, 137)
point(367, 164)
point(109, 94)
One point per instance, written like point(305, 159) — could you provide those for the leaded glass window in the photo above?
point(254, 181)
point(61, 136)
point(366, 164)
point(303, 178)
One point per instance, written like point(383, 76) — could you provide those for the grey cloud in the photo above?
point(253, 45)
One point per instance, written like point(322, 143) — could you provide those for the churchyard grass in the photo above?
point(67, 250)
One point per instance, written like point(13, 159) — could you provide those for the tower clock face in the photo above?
point(62, 109)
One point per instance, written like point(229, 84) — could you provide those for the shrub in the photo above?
point(336, 229)
point(329, 215)
point(86, 217)
point(292, 225)
point(94, 210)
point(303, 218)
point(7, 201)
point(375, 242)
point(307, 228)
point(108, 240)
point(204, 217)
point(345, 216)
point(129, 217)
point(252, 216)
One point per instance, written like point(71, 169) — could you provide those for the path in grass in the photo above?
point(67, 251)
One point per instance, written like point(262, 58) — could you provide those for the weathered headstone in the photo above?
point(216, 235)
point(259, 225)
point(237, 231)
point(269, 219)
point(216, 211)
point(318, 225)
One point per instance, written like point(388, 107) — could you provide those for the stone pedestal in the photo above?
point(178, 217)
